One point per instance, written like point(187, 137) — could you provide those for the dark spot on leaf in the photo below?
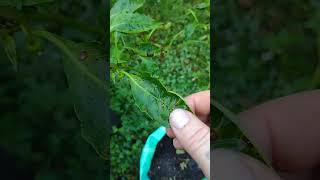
point(83, 55)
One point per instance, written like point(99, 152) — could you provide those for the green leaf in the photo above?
point(86, 73)
point(132, 23)
point(128, 6)
point(60, 43)
point(153, 99)
point(10, 49)
point(91, 107)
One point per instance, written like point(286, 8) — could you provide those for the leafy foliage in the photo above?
point(150, 95)
point(89, 94)
point(148, 67)
point(89, 90)
point(92, 109)
point(28, 29)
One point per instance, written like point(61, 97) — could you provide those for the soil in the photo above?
point(167, 164)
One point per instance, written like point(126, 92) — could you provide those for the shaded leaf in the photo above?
point(87, 82)
point(154, 99)
point(91, 106)
point(132, 23)
point(10, 49)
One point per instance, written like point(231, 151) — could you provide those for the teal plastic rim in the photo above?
point(148, 151)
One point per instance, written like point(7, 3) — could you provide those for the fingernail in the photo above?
point(178, 118)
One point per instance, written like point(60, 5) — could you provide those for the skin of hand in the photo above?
point(191, 131)
point(286, 131)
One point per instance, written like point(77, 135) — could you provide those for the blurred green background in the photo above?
point(264, 50)
point(40, 136)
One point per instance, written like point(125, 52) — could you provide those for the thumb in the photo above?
point(194, 137)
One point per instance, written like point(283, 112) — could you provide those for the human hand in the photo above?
point(285, 130)
point(287, 133)
point(191, 132)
